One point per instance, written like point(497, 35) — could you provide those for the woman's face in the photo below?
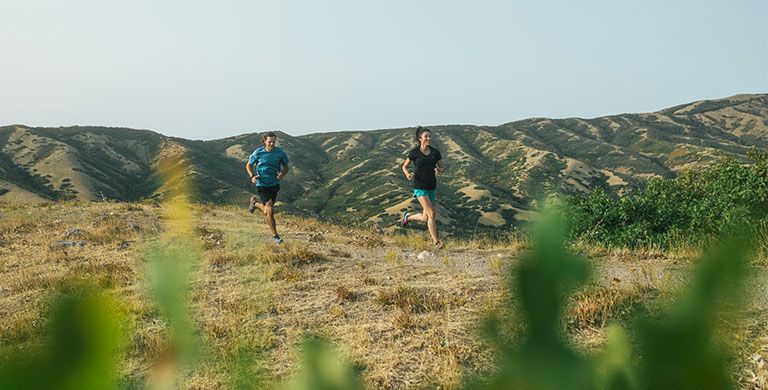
point(269, 143)
point(425, 137)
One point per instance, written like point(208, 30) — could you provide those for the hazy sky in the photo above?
point(206, 70)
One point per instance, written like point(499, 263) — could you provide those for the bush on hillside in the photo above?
point(690, 208)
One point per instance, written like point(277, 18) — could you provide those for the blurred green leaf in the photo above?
point(616, 362)
point(82, 348)
point(678, 350)
point(324, 370)
point(168, 268)
point(542, 280)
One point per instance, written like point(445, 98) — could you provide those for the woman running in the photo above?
point(426, 161)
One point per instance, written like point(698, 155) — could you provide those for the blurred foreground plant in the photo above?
point(81, 349)
point(679, 350)
point(542, 360)
point(324, 369)
point(168, 268)
point(676, 351)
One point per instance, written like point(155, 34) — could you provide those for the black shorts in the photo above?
point(268, 193)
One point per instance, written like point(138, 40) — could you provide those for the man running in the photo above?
point(271, 166)
point(426, 160)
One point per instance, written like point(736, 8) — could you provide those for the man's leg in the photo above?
point(269, 216)
point(256, 203)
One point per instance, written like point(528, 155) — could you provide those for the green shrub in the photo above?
point(691, 208)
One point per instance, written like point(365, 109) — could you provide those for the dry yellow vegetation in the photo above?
point(404, 321)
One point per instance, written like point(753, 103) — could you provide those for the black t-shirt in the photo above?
point(424, 172)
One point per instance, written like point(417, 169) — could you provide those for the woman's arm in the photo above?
point(439, 168)
point(405, 169)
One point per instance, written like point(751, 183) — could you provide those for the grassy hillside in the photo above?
point(496, 175)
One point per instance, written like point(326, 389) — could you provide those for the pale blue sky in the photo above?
point(206, 70)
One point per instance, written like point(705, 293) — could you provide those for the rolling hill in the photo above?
point(496, 174)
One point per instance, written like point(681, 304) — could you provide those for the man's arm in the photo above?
point(283, 172)
point(284, 166)
point(249, 169)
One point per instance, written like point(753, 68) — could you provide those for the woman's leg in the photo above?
point(429, 215)
point(417, 217)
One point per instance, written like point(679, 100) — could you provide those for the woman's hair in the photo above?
point(419, 131)
point(267, 135)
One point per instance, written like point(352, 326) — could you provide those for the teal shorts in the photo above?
point(430, 193)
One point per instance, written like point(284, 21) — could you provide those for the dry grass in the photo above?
point(512, 242)
point(367, 240)
point(751, 366)
point(418, 300)
point(746, 336)
point(591, 250)
point(498, 265)
point(345, 294)
point(278, 272)
point(403, 320)
point(221, 258)
point(596, 306)
point(33, 267)
point(334, 252)
point(406, 322)
point(418, 241)
point(393, 259)
point(106, 274)
point(295, 254)
point(210, 237)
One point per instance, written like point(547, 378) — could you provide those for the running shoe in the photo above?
point(278, 240)
point(252, 206)
point(404, 221)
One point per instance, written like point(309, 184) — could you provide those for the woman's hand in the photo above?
point(280, 175)
point(409, 176)
point(253, 178)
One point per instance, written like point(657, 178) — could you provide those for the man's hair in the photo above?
point(267, 135)
point(419, 131)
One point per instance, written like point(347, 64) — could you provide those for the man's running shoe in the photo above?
point(252, 206)
point(404, 221)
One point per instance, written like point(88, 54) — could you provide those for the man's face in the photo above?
point(269, 143)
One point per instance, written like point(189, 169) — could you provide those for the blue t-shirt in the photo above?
point(268, 165)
